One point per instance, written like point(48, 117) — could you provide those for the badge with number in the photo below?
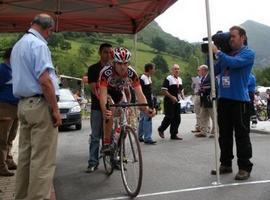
point(226, 81)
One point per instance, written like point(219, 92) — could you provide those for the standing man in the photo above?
point(206, 111)
point(233, 103)
point(35, 84)
point(196, 83)
point(8, 117)
point(172, 90)
point(145, 123)
point(96, 119)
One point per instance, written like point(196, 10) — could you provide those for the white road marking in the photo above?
point(190, 189)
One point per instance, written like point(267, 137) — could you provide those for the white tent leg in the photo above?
point(213, 88)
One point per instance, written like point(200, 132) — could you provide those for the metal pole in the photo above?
point(213, 88)
point(135, 50)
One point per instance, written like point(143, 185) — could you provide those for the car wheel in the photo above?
point(78, 126)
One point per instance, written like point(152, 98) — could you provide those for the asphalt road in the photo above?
point(172, 169)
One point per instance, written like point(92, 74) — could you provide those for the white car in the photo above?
point(70, 109)
point(187, 105)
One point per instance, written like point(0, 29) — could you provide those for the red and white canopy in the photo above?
point(107, 16)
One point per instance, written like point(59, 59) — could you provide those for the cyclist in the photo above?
point(114, 83)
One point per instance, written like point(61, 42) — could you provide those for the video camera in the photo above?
point(221, 40)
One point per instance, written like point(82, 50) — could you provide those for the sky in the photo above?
point(186, 19)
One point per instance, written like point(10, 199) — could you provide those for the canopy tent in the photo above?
point(107, 16)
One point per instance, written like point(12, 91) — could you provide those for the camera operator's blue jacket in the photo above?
point(234, 70)
point(251, 83)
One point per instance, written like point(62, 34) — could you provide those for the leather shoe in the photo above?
point(200, 134)
point(141, 139)
point(196, 130)
point(11, 164)
point(222, 170)
point(176, 138)
point(150, 142)
point(161, 134)
point(5, 172)
point(91, 169)
point(242, 175)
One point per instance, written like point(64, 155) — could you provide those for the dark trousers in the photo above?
point(268, 110)
point(252, 111)
point(233, 116)
point(172, 117)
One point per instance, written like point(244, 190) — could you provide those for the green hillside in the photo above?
point(259, 40)
point(73, 52)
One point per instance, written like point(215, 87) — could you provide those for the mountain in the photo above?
point(259, 40)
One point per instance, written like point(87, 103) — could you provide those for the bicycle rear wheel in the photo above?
point(131, 162)
point(262, 115)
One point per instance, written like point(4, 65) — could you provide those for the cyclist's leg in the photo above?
point(107, 126)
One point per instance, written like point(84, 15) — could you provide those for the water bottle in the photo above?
point(117, 133)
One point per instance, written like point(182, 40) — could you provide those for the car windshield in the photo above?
point(66, 95)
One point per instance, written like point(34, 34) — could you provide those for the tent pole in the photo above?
point(135, 50)
point(213, 89)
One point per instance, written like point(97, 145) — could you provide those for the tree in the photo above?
point(161, 63)
point(120, 41)
point(85, 51)
point(65, 45)
point(159, 44)
point(262, 76)
point(55, 40)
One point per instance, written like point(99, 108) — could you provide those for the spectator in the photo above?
point(233, 103)
point(206, 111)
point(196, 83)
point(96, 119)
point(268, 103)
point(257, 99)
point(145, 123)
point(172, 90)
point(35, 84)
point(251, 92)
point(8, 117)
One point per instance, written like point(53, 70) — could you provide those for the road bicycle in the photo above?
point(125, 151)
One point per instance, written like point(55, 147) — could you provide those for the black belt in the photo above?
point(40, 95)
point(36, 95)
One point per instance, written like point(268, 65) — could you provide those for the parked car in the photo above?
point(187, 105)
point(70, 109)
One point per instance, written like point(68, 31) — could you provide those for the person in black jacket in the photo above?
point(96, 119)
point(172, 90)
point(206, 111)
point(145, 123)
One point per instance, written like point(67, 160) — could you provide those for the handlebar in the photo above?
point(124, 105)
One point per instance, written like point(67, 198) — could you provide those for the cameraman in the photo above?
point(233, 103)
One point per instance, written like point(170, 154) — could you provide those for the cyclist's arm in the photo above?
point(103, 97)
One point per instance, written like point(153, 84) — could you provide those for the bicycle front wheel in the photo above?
point(131, 162)
point(108, 164)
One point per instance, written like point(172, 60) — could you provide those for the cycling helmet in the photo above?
point(121, 55)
